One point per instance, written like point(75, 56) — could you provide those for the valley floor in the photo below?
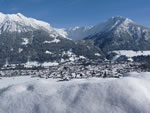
point(129, 94)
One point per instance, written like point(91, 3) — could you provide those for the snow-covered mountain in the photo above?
point(83, 32)
point(120, 33)
point(23, 39)
point(22, 36)
point(20, 23)
point(118, 25)
point(117, 33)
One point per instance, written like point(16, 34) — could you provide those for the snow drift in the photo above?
point(130, 94)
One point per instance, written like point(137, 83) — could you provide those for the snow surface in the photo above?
point(31, 64)
point(47, 64)
point(20, 23)
point(97, 54)
point(71, 55)
point(131, 53)
point(48, 52)
point(129, 94)
point(9, 22)
point(53, 41)
point(20, 50)
point(25, 41)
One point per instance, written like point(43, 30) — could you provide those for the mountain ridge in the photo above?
point(22, 37)
point(19, 23)
point(103, 26)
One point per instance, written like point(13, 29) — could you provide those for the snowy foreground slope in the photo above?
point(130, 94)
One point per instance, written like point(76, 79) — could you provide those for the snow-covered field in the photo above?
point(129, 94)
point(131, 53)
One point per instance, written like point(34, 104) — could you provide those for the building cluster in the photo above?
point(76, 70)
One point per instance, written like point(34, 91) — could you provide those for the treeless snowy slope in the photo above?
point(130, 94)
point(131, 53)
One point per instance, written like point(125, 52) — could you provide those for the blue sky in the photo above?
point(68, 13)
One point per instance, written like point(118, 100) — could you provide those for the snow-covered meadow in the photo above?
point(131, 53)
point(129, 94)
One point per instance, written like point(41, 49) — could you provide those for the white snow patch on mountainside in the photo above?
point(71, 55)
point(33, 95)
point(131, 53)
point(97, 54)
point(31, 64)
point(25, 41)
point(48, 52)
point(47, 64)
point(20, 50)
point(53, 41)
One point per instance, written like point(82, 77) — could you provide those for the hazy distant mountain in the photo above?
point(78, 33)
